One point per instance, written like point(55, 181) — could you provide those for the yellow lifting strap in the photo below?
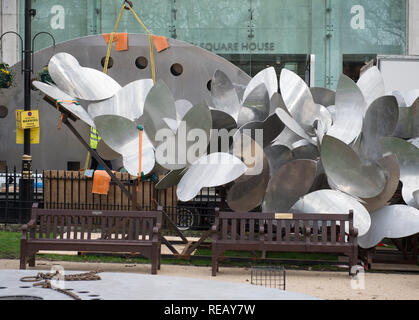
point(108, 54)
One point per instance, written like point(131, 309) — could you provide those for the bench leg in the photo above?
point(154, 260)
point(32, 261)
point(22, 255)
point(214, 262)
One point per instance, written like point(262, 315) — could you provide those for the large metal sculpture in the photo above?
point(319, 152)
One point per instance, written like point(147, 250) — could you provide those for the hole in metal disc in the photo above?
point(209, 83)
point(141, 62)
point(93, 295)
point(82, 291)
point(176, 69)
point(110, 63)
point(3, 111)
point(3, 288)
point(20, 298)
point(24, 287)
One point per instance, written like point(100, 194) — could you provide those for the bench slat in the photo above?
point(251, 229)
point(62, 227)
point(324, 231)
point(76, 223)
point(287, 230)
point(124, 221)
point(89, 227)
point(68, 225)
point(117, 225)
point(333, 232)
point(224, 228)
point(233, 229)
point(243, 229)
point(82, 227)
point(342, 231)
point(316, 231)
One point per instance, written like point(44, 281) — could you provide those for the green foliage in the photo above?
point(45, 76)
point(6, 76)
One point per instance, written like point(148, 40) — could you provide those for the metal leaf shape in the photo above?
point(392, 222)
point(323, 96)
point(224, 95)
point(408, 156)
point(267, 77)
point(350, 108)
point(57, 94)
point(212, 170)
point(128, 102)
point(122, 135)
point(288, 184)
point(331, 201)
point(77, 81)
point(256, 106)
point(371, 84)
point(159, 105)
point(344, 168)
point(291, 124)
point(380, 121)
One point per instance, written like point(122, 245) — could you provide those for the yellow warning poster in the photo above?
point(35, 133)
point(27, 119)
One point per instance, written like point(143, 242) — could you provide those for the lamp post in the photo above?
point(26, 182)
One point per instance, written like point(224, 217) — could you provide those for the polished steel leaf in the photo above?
point(222, 120)
point(170, 180)
point(55, 93)
point(256, 106)
point(350, 108)
point(247, 191)
point(394, 222)
point(123, 136)
point(293, 180)
point(267, 77)
point(380, 121)
point(277, 155)
point(269, 129)
point(105, 152)
point(344, 168)
point(80, 82)
point(416, 196)
point(159, 105)
point(215, 169)
point(323, 96)
point(224, 95)
point(128, 102)
point(291, 124)
point(391, 165)
point(332, 202)
point(408, 124)
point(298, 99)
point(408, 156)
point(371, 84)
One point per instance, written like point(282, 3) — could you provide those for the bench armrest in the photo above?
point(262, 234)
point(353, 232)
point(156, 232)
point(30, 225)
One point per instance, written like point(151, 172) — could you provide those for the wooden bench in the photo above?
point(270, 232)
point(94, 231)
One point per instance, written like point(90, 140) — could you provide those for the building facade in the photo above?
point(330, 36)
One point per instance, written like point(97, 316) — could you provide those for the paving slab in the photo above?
point(129, 286)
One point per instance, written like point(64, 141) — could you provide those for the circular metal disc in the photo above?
point(293, 180)
point(331, 201)
point(127, 102)
point(212, 170)
point(392, 222)
point(408, 124)
point(408, 156)
point(80, 82)
point(344, 168)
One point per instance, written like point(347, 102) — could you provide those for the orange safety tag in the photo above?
point(101, 180)
point(160, 42)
